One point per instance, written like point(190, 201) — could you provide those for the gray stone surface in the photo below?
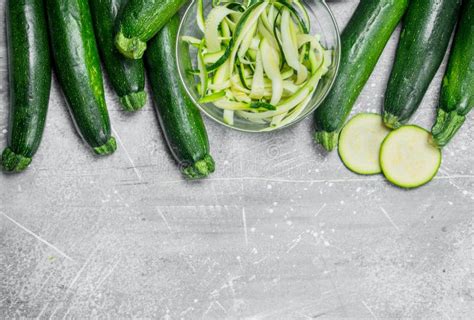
point(280, 231)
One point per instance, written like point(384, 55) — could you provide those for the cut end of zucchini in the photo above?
point(360, 141)
point(327, 139)
point(200, 169)
point(391, 121)
point(13, 162)
point(107, 148)
point(132, 48)
point(407, 157)
point(445, 127)
point(134, 101)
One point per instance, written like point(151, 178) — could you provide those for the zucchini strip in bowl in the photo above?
point(258, 61)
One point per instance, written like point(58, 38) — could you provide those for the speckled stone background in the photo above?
point(280, 231)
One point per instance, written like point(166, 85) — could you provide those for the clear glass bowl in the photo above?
point(322, 23)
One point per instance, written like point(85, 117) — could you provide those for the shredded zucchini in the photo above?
point(211, 32)
point(271, 66)
point(257, 60)
point(228, 116)
point(200, 15)
point(202, 69)
point(258, 85)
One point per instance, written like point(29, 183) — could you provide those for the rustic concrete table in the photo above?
point(280, 231)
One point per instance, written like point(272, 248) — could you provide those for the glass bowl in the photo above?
point(322, 23)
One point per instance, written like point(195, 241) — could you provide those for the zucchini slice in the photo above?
point(360, 141)
point(407, 157)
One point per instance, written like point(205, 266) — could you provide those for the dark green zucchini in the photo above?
point(30, 81)
point(363, 41)
point(180, 120)
point(139, 21)
point(457, 91)
point(427, 28)
point(78, 69)
point(127, 76)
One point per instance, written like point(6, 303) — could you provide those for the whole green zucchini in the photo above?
point(127, 76)
point(78, 70)
point(457, 91)
point(30, 81)
point(139, 21)
point(180, 120)
point(427, 29)
point(363, 41)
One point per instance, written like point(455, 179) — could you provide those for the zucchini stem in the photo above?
point(132, 48)
point(327, 139)
point(200, 169)
point(391, 121)
point(446, 126)
point(14, 162)
point(108, 148)
point(133, 101)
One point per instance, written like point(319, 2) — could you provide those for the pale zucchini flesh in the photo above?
point(360, 141)
point(407, 157)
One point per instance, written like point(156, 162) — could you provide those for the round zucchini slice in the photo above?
point(359, 143)
point(407, 157)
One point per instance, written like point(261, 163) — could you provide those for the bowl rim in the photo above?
point(295, 121)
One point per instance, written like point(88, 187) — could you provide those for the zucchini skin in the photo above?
point(424, 40)
point(457, 91)
point(140, 21)
point(30, 81)
point(127, 76)
point(179, 118)
point(363, 41)
point(78, 70)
